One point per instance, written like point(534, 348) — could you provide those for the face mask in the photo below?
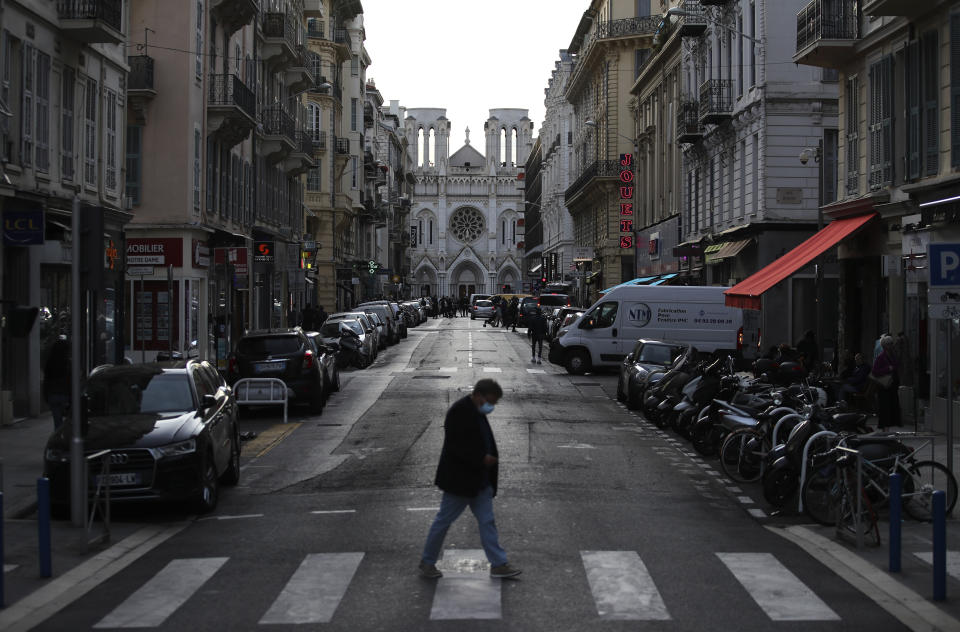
point(485, 408)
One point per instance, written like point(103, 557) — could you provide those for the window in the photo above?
point(314, 119)
point(930, 85)
point(66, 123)
point(5, 79)
point(605, 315)
point(355, 65)
point(43, 112)
point(211, 172)
point(756, 174)
point(641, 56)
point(419, 232)
point(503, 231)
point(110, 114)
point(643, 8)
point(740, 56)
point(831, 139)
point(881, 123)
point(314, 179)
point(197, 140)
point(753, 48)
point(198, 56)
point(236, 183)
point(431, 232)
point(90, 133)
point(353, 115)
point(830, 75)
point(134, 162)
point(853, 138)
point(28, 78)
point(353, 172)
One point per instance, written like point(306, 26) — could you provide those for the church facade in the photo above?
point(467, 207)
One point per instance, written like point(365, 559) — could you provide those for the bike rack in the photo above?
point(858, 539)
point(776, 427)
point(261, 390)
point(803, 466)
point(100, 503)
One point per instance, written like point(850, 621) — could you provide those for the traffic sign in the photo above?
point(944, 261)
point(943, 312)
point(140, 270)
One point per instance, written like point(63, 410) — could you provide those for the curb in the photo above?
point(910, 608)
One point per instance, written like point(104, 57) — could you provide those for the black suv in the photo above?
point(284, 354)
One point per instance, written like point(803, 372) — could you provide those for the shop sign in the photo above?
point(653, 245)
point(626, 201)
point(310, 245)
point(139, 270)
point(581, 254)
point(263, 251)
point(161, 251)
point(23, 227)
point(201, 254)
point(235, 256)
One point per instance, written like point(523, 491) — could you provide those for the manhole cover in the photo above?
point(431, 377)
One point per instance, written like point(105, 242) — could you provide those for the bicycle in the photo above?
point(881, 457)
point(855, 513)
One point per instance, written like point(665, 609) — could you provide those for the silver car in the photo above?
point(481, 309)
point(368, 333)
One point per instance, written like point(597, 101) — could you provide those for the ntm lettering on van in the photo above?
point(606, 332)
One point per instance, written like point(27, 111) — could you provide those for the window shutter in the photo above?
point(853, 146)
point(874, 132)
point(912, 89)
point(931, 114)
point(955, 89)
point(26, 111)
point(886, 102)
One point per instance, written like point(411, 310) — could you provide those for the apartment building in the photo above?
point(63, 78)
point(898, 67)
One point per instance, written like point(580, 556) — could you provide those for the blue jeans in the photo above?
point(451, 506)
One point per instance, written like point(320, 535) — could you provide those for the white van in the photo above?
point(606, 332)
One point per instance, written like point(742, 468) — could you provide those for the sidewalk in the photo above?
point(21, 460)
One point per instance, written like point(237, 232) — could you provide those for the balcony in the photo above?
point(598, 169)
point(342, 146)
point(319, 141)
point(714, 3)
point(368, 113)
point(716, 101)
point(278, 134)
point(299, 76)
point(279, 40)
point(826, 33)
point(316, 29)
point(92, 21)
point(234, 14)
point(689, 129)
point(231, 108)
point(694, 23)
point(300, 158)
point(140, 79)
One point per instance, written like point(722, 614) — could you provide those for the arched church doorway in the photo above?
point(466, 282)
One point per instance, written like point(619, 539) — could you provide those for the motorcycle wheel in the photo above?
point(651, 413)
point(739, 459)
point(821, 495)
point(702, 438)
point(779, 485)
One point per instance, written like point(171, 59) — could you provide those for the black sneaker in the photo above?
point(429, 571)
point(503, 571)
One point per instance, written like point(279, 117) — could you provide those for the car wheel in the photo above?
point(577, 362)
point(231, 476)
point(209, 492)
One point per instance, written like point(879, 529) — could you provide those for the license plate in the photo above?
point(269, 367)
point(123, 478)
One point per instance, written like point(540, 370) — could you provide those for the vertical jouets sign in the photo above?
point(626, 200)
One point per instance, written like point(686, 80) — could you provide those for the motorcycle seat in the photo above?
point(731, 420)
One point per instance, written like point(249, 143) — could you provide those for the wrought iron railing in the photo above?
point(340, 36)
point(827, 19)
point(280, 25)
point(276, 122)
point(688, 120)
point(716, 97)
point(141, 72)
point(305, 142)
point(109, 11)
point(315, 29)
point(644, 25)
point(319, 140)
point(342, 145)
point(227, 90)
point(598, 169)
point(693, 13)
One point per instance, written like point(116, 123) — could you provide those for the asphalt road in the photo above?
point(614, 525)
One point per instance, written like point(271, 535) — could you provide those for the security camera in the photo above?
point(804, 156)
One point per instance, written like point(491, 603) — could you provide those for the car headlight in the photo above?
point(54, 454)
point(178, 449)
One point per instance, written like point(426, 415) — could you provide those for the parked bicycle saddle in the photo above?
point(847, 422)
point(877, 448)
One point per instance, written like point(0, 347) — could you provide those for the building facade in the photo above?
point(467, 206)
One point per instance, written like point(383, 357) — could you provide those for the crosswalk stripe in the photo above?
point(622, 587)
point(953, 561)
point(781, 595)
point(492, 369)
point(448, 369)
point(315, 590)
point(536, 371)
point(466, 590)
point(169, 589)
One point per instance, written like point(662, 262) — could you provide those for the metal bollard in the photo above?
point(939, 545)
point(896, 485)
point(43, 526)
point(3, 604)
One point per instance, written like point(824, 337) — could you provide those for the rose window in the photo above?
point(467, 225)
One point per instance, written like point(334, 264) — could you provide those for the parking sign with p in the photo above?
point(944, 260)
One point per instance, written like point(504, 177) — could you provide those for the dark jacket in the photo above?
point(461, 470)
point(538, 326)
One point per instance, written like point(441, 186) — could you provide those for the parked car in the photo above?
point(559, 316)
point(359, 324)
point(528, 305)
point(382, 334)
point(385, 311)
point(283, 354)
point(171, 429)
point(326, 360)
point(554, 300)
point(481, 309)
point(646, 356)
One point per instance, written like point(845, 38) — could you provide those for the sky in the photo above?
point(468, 57)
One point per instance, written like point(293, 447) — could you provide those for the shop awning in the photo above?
point(637, 281)
point(664, 278)
point(726, 250)
point(536, 268)
point(747, 294)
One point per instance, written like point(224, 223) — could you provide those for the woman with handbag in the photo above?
point(884, 376)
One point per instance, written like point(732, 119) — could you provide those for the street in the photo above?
point(614, 524)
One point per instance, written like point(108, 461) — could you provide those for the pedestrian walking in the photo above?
point(538, 331)
point(56, 380)
point(467, 475)
point(884, 375)
point(319, 317)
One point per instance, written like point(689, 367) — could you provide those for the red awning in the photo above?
point(747, 293)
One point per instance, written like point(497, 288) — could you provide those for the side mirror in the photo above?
point(588, 323)
point(208, 401)
point(630, 357)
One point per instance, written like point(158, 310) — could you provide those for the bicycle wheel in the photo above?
point(928, 477)
point(740, 456)
point(821, 494)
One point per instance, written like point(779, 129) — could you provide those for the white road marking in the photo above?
point(768, 582)
point(746, 500)
point(315, 590)
point(537, 371)
point(953, 561)
point(423, 508)
point(408, 369)
point(160, 597)
point(622, 587)
point(9, 567)
point(231, 517)
point(334, 511)
point(448, 369)
point(492, 369)
point(757, 513)
point(734, 489)
point(466, 590)
point(577, 446)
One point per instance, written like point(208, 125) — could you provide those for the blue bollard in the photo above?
point(43, 526)
point(3, 604)
point(896, 485)
point(939, 545)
